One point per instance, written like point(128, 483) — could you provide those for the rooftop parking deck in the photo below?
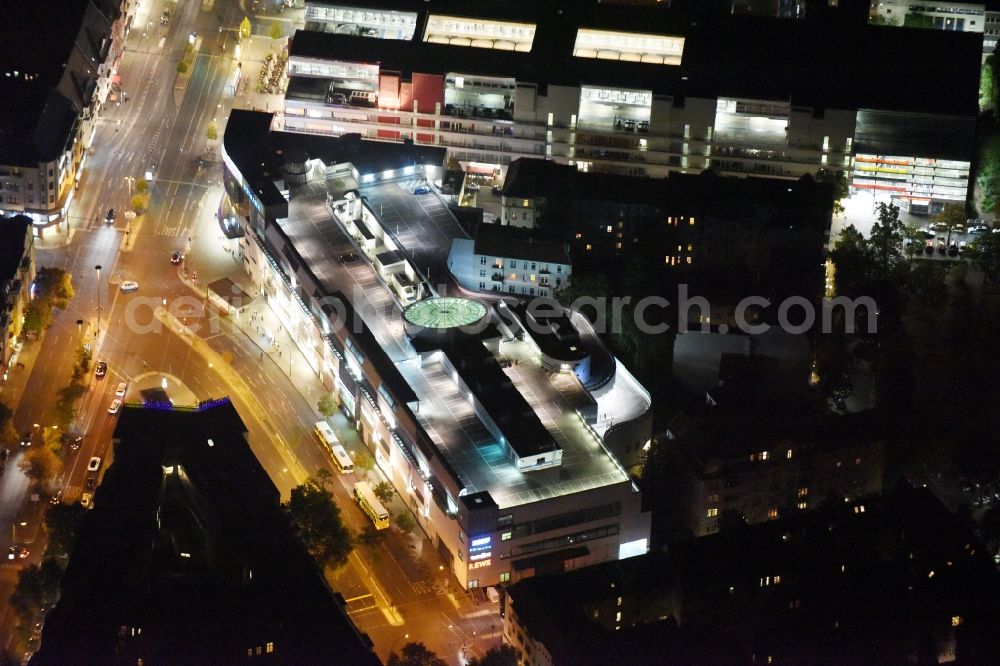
point(445, 411)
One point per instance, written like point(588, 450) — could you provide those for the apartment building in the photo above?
point(502, 261)
point(638, 91)
point(51, 97)
point(17, 273)
point(510, 471)
point(694, 221)
point(733, 465)
point(877, 580)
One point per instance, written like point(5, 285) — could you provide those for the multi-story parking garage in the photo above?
point(642, 91)
point(511, 469)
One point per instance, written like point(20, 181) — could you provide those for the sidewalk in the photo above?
point(21, 363)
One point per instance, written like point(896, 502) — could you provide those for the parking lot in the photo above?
point(420, 223)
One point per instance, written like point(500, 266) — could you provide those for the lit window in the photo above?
point(505, 577)
point(526, 203)
point(269, 648)
point(777, 580)
point(788, 454)
point(713, 512)
point(857, 461)
point(618, 246)
point(505, 536)
point(803, 505)
point(532, 277)
point(689, 260)
point(609, 228)
point(956, 620)
point(618, 616)
point(579, 235)
point(619, 601)
point(803, 492)
point(690, 247)
point(763, 455)
point(589, 247)
point(679, 247)
point(772, 513)
point(713, 498)
point(691, 221)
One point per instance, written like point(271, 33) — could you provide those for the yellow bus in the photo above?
point(365, 497)
point(340, 456)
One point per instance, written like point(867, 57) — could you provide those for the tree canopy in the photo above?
point(318, 524)
point(985, 255)
point(505, 655)
point(415, 654)
point(40, 464)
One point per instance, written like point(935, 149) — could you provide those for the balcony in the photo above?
point(497, 277)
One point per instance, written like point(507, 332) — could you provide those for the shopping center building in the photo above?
point(641, 91)
point(513, 466)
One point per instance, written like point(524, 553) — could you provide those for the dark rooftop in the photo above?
point(502, 401)
point(515, 243)
point(12, 233)
point(38, 104)
point(706, 192)
point(821, 64)
point(187, 545)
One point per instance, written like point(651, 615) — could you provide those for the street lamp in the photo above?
point(98, 334)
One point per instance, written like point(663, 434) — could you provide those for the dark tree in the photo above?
point(505, 655)
point(415, 654)
point(318, 524)
point(985, 255)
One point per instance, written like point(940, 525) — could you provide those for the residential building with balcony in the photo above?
point(640, 91)
point(503, 261)
point(50, 98)
point(17, 273)
point(510, 471)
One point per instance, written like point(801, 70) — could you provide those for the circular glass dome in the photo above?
point(445, 312)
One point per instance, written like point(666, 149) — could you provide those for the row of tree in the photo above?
point(417, 654)
point(53, 289)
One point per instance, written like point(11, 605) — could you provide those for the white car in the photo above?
point(120, 391)
point(116, 404)
point(94, 464)
point(129, 285)
point(87, 501)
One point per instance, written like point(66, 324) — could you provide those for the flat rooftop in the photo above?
point(821, 64)
point(445, 413)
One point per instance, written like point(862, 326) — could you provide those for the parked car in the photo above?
point(87, 501)
point(929, 247)
point(927, 232)
point(101, 369)
point(177, 257)
point(26, 438)
point(56, 499)
point(505, 362)
point(953, 250)
point(348, 258)
point(120, 390)
point(129, 285)
point(110, 217)
point(977, 230)
point(116, 405)
point(421, 189)
point(94, 464)
point(941, 247)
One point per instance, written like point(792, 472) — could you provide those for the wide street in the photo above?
point(394, 589)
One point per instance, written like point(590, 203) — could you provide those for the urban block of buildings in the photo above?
point(704, 221)
point(877, 580)
point(51, 96)
point(510, 469)
point(17, 273)
point(642, 91)
point(733, 461)
point(188, 558)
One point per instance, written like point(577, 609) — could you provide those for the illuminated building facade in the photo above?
point(635, 91)
point(509, 473)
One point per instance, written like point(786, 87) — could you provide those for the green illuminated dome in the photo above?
point(444, 313)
